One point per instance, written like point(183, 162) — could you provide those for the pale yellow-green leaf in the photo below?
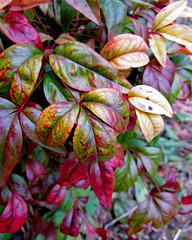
point(151, 124)
point(179, 33)
point(148, 99)
point(126, 51)
point(63, 38)
point(44, 37)
point(187, 13)
point(44, 8)
point(158, 47)
point(168, 14)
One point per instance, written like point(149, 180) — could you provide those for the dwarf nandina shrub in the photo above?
point(82, 85)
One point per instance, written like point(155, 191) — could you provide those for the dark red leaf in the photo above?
point(83, 199)
point(72, 171)
point(118, 160)
point(132, 118)
point(86, 225)
point(14, 215)
point(56, 195)
point(102, 180)
point(102, 233)
point(34, 170)
point(70, 223)
point(187, 200)
point(30, 146)
point(83, 183)
point(16, 27)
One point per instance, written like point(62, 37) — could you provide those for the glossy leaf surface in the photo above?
point(86, 70)
point(158, 47)
point(34, 170)
point(102, 180)
point(70, 223)
point(89, 8)
point(126, 51)
point(19, 69)
point(10, 139)
point(126, 175)
point(148, 99)
point(179, 33)
point(14, 215)
point(16, 27)
point(19, 5)
point(168, 14)
point(118, 160)
point(114, 12)
point(72, 171)
point(4, 3)
point(56, 195)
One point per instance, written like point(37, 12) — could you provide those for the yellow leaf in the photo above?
point(158, 47)
point(151, 124)
point(148, 99)
point(4, 3)
point(126, 51)
point(168, 14)
point(179, 33)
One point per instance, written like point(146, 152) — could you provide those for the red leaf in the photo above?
point(70, 223)
point(86, 225)
point(102, 233)
point(83, 183)
point(132, 118)
point(56, 195)
point(34, 170)
point(72, 171)
point(102, 180)
point(118, 160)
point(187, 200)
point(19, 5)
point(14, 215)
point(16, 27)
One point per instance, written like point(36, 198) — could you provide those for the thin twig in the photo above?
point(40, 21)
point(120, 217)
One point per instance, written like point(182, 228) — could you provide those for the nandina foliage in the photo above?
point(76, 81)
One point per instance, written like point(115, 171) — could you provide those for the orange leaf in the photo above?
point(19, 5)
point(4, 3)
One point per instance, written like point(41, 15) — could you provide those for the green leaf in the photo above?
point(114, 12)
point(168, 14)
point(176, 87)
point(126, 51)
point(10, 139)
point(126, 175)
point(55, 91)
point(89, 8)
point(158, 47)
point(81, 68)
point(67, 14)
point(20, 65)
point(179, 33)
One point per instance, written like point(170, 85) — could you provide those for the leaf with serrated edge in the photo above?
point(148, 99)
point(93, 140)
point(56, 122)
point(168, 14)
point(151, 124)
point(179, 33)
point(126, 51)
point(102, 180)
point(158, 47)
point(80, 67)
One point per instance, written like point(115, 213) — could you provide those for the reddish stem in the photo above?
point(40, 21)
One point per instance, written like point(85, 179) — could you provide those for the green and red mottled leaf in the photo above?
point(118, 160)
point(28, 117)
point(150, 157)
point(19, 5)
point(93, 141)
point(102, 181)
point(159, 77)
point(126, 175)
point(114, 12)
point(14, 215)
point(158, 208)
point(86, 225)
point(55, 91)
point(168, 14)
point(21, 187)
point(34, 170)
point(16, 27)
point(20, 65)
point(72, 171)
point(179, 33)
point(81, 68)
point(158, 47)
point(89, 8)
point(126, 51)
point(132, 118)
point(56, 195)
point(56, 122)
point(70, 223)
point(10, 139)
